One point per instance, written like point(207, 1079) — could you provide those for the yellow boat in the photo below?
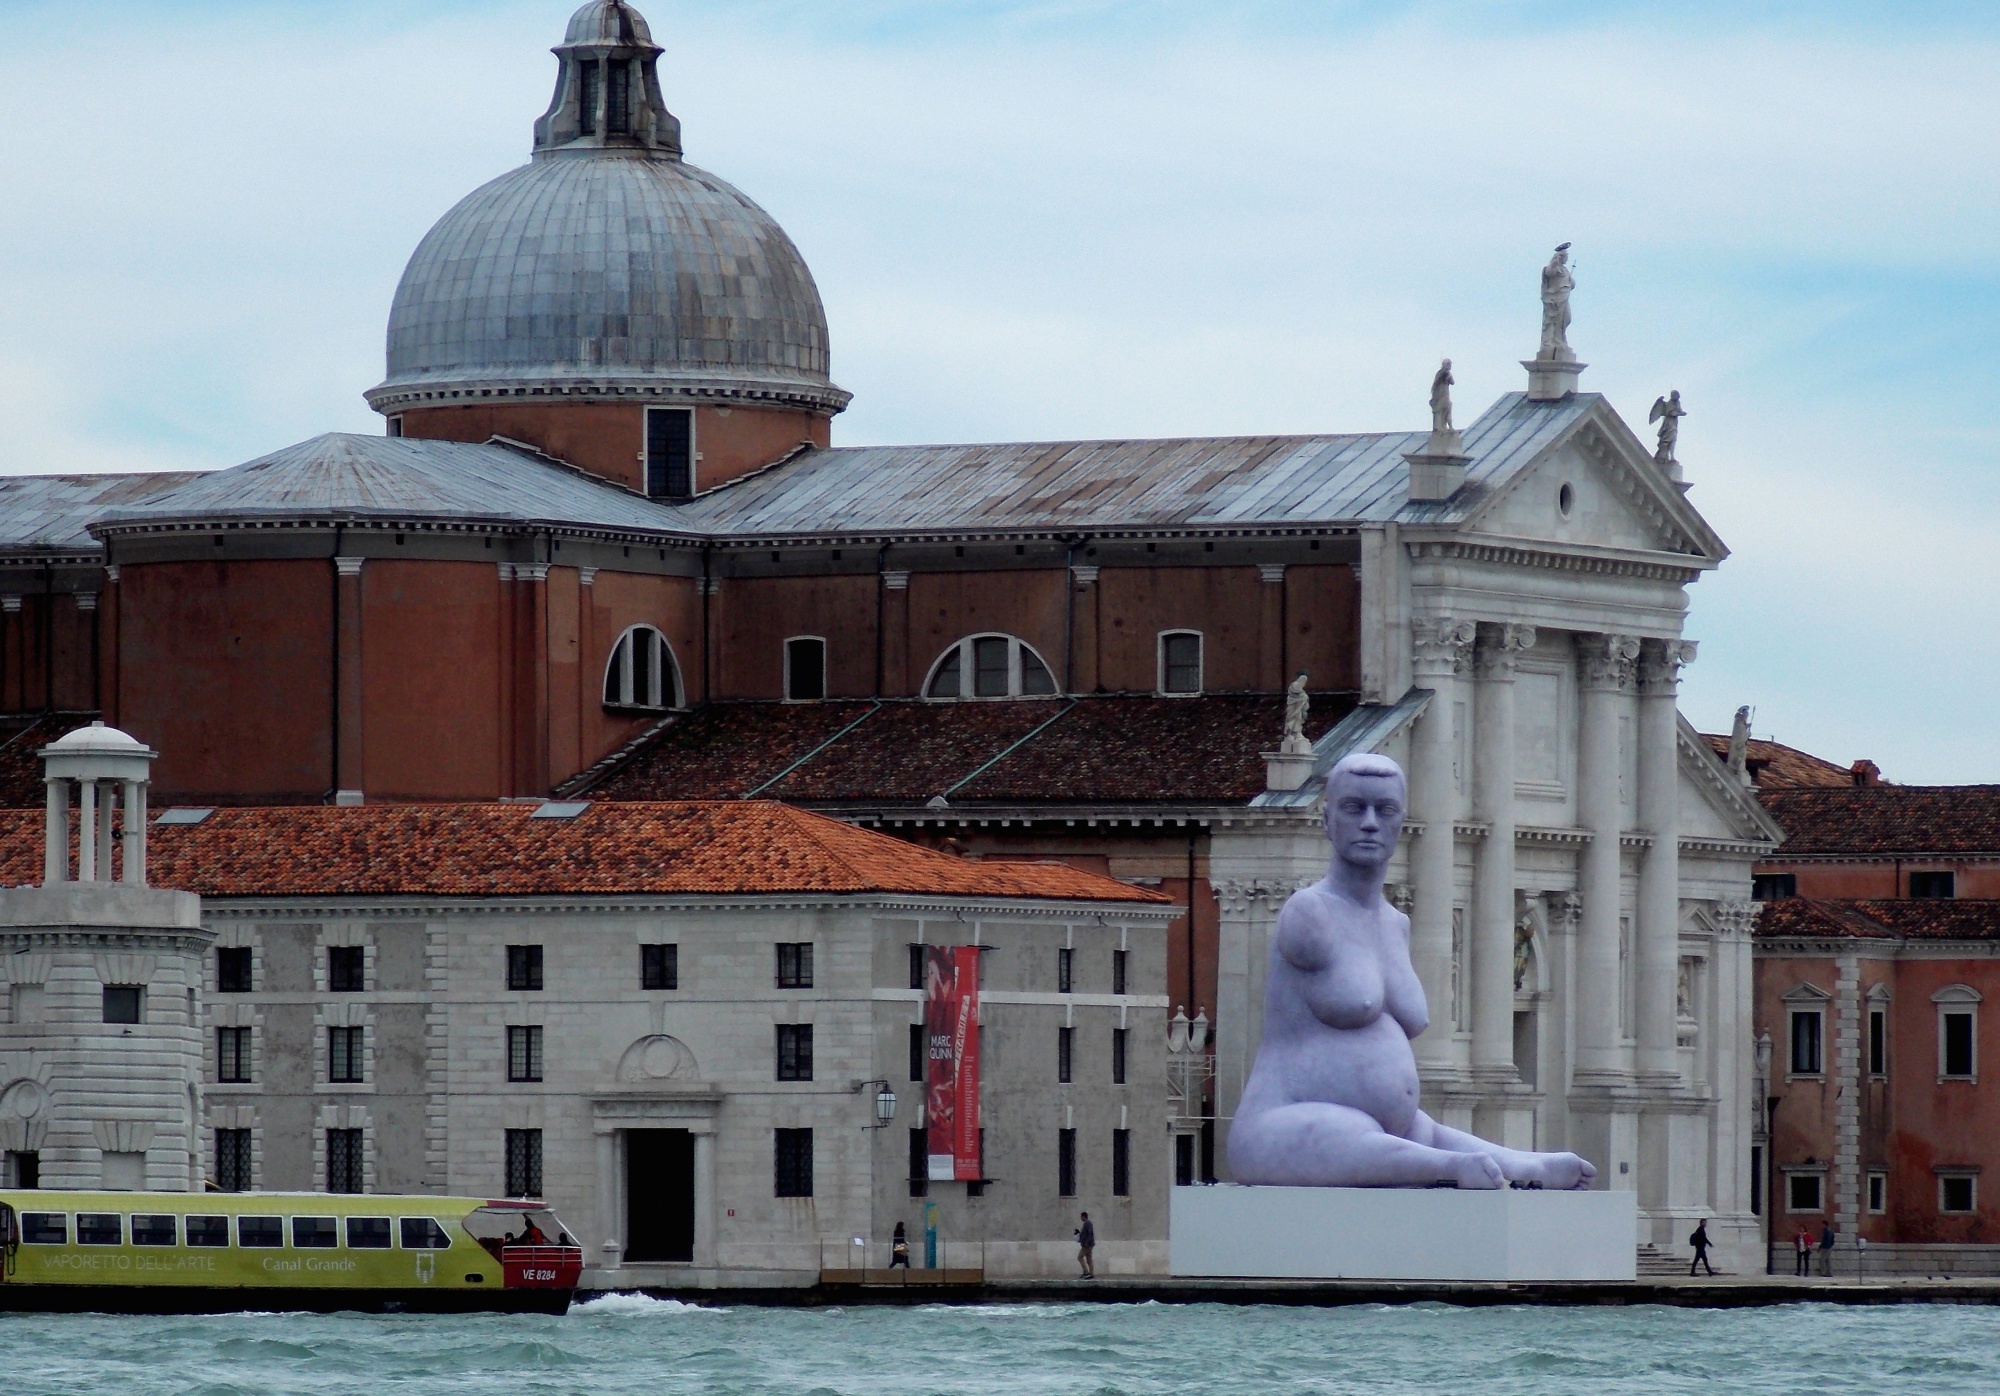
point(164, 1252)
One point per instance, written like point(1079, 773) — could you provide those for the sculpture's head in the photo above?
point(1366, 796)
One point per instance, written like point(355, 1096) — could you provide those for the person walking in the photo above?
point(1803, 1243)
point(1086, 1243)
point(899, 1248)
point(1828, 1234)
point(1699, 1240)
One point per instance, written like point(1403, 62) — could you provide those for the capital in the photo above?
point(1607, 660)
point(1441, 646)
point(1660, 664)
point(1500, 647)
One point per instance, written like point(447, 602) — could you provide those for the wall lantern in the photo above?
point(885, 1101)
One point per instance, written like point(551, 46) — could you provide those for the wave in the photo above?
point(627, 1305)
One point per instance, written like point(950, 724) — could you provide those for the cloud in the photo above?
point(1091, 219)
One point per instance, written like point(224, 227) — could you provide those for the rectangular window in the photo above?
point(669, 453)
point(1774, 887)
point(1933, 884)
point(1955, 1044)
point(805, 669)
point(586, 97)
point(100, 1229)
point(1955, 1194)
point(917, 958)
point(232, 1160)
point(343, 1055)
point(659, 967)
point(1118, 1056)
point(123, 1003)
point(795, 1052)
point(1065, 971)
point(209, 1232)
point(989, 668)
point(343, 1161)
point(1180, 663)
point(792, 1163)
point(1806, 1042)
point(315, 1233)
point(368, 1233)
point(232, 970)
point(917, 1052)
point(1066, 1163)
point(44, 1229)
point(1878, 1192)
point(345, 969)
point(423, 1234)
point(920, 1161)
point(795, 965)
point(1757, 1180)
point(1878, 1042)
point(1802, 1192)
point(1183, 1160)
point(524, 967)
point(1118, 972)
point(1065, 1049)
point(1121, 1163)
point(617, 98)
point(23, 1169)
point(524, 1163)
point(232, 1055)
point(260, 1231)
point(524, 1054)
point(155, 1230)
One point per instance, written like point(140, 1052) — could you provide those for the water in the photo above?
point(626, 1344)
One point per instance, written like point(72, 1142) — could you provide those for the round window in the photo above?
point(1565, 500)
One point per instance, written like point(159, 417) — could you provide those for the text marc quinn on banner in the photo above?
point(951, 1052)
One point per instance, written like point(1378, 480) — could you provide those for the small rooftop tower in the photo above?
point(99, 762)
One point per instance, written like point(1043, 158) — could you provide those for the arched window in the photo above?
point(1180, 661)
point(642, 673)
point(989, 666)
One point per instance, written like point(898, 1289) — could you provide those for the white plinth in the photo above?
point(1415, 1234)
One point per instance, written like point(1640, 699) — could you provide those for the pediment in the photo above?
point(1596, 487)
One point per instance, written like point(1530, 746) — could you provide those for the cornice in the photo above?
point(555, 386)
point(308, 908)
point(1538, 553)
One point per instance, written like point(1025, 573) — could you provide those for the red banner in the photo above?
point(951, 1050)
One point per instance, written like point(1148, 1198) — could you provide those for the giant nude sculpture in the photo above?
point(1332, 1098)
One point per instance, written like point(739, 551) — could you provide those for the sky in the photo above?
point(1096, 218)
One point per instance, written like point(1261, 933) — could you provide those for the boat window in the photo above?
point(99, 1229)
point(260, 1231)
point(423, 1234)
point(368, 1233)
point(499, 1227)
point(208, 1231)
point(153, 1230)
point(45, 1228)
point(315, 1232)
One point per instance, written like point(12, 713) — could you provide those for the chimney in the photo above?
point(1865, 773)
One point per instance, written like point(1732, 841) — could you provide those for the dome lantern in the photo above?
point(608, 89)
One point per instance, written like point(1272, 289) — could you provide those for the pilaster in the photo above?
point(1660, 664)
point(1605, 665)
point(1441, 648)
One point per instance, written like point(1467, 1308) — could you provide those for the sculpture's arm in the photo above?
point(1298, 940)
point(1405, 999)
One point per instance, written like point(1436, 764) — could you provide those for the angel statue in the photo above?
point(1297, 702)
point(1667, 411)
point(1441, 399)
point(1557, 283)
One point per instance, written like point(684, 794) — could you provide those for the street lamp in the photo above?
point(885, 1101)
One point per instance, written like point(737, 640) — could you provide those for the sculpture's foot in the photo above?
point(1478, 1171)
point(1560, 1170)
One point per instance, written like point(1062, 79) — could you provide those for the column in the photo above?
point(1492, 947)
point(609, 1212)
point(107, 832)
point(1440, 648)
point(1271, 673)
point(55, 853)
point(534, 710)
point(348, 780)
point(704, 1195)
point(86, 833)
point(1085, 675)
point(1659, 932)
point(895, 676)
point(1604, 665)
point(135, 832)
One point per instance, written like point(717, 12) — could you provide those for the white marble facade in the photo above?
point(1589, 980)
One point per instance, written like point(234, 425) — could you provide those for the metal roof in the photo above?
point(51, 513)
point(344, 475)
point(1067, 485)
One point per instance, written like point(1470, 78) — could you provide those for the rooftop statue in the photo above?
point(1297, 703)
point(1557, 283)
point(1332, 1098)
point(1739, 744)
point(1441, 399)
point(1667, 411)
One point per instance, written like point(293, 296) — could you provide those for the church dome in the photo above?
point(607, 266)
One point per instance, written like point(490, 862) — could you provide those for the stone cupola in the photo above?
point(98, 763)
point(608, 91)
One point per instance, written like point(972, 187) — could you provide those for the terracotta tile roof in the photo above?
point(21, 739)
point(501, 850)
point(1880, 821)
point(1775, 766)
point(1904, 918)
point(1093, 750)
